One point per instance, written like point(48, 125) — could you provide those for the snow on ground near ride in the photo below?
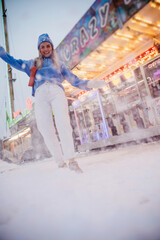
point(116, 198)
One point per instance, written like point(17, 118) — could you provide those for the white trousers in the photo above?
point(50, 97)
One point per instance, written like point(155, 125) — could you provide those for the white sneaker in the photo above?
point(74, 167)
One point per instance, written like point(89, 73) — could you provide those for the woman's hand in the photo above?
point(96, 83)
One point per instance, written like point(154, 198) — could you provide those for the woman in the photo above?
point(49, 95)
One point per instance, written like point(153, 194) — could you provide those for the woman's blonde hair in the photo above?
point(39, 60)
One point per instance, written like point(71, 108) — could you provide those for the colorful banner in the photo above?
point(94, 27)
point(127, 8)
point(102, 19)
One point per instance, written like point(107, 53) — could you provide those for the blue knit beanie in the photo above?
point(44, 38)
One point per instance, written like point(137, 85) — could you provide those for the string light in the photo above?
point(134, 63)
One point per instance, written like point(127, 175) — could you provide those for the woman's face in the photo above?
point(46, 49)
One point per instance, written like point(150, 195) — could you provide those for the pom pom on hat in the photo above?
point(44, 38)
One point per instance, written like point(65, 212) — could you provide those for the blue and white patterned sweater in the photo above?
point(48, 72)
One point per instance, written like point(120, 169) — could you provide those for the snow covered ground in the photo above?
point(116, 198)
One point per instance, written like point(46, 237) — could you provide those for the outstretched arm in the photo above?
point(73, 79)
point(22, 65)
point(79, 83)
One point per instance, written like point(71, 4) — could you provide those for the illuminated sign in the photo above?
point(154, 64)
point(102, 19)
point(98, 23)
point(29, 104)
point(17, 116)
